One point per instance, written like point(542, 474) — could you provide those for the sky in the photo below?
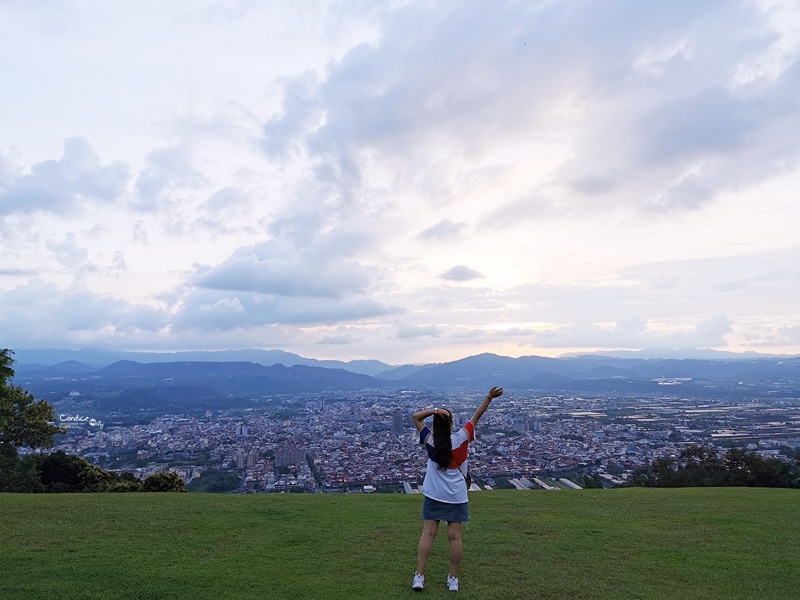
point(407, 181)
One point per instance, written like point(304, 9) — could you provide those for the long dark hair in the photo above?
point(442, 445)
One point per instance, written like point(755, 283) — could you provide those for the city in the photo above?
point(364, 442)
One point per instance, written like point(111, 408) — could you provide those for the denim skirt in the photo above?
point(433, 510)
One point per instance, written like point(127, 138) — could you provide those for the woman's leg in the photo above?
point(456, 546)
point(429, 530)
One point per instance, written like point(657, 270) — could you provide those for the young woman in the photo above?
point(445, 485)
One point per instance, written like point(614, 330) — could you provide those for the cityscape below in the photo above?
point(365, 441)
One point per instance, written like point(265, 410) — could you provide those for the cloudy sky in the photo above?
point(410, 181)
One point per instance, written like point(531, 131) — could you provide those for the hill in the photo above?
point(733, 543)
point(190, 385)
point(613, 375)
point(34, 360)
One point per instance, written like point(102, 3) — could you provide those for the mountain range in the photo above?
point(182, 375)
point(36, 359)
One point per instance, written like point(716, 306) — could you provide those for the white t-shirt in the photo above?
point(448, 485)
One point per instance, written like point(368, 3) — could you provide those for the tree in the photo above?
point(24, 422)
point(20, 476)
point(62, 472)
point(700, 466)
point(164, 482)
point(592, 482)
point(214, 481)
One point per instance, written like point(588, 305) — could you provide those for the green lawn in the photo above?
point(629, 543)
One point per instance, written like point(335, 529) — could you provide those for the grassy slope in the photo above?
point(632, 543)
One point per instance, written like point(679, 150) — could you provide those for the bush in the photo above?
point(164, 482)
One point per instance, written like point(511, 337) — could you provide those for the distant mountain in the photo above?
point(190, 385)
point(50, 356)
point(599, 372)
point(401, 372)
point(364, 367)
point(483, 369)
point(96, 357)
point(675, 353)
point(70, 367)
point(236, 378)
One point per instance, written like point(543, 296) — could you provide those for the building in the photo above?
point(287, 455)
point(525, 424)
point(397, 422)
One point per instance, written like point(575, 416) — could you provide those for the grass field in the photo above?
point(629, 543)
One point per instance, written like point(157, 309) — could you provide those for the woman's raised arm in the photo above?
point(495, 392)
point(420, 416)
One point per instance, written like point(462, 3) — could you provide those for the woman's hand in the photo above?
point(495, 392)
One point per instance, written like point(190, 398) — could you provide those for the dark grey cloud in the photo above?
point(214, 310)
point(461, 273)
point(712, 121)
point(277, 267)
point(63, 186)
point(649, 90)
point(307, 273)
point(14, 272)
point(41, 313)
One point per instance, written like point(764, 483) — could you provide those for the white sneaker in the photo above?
point(419, 582)
point(452, 583)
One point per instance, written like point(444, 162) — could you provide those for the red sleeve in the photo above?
point(470, 430)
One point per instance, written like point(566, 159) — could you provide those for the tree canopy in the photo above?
point(24, 421)
point(701, 466)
